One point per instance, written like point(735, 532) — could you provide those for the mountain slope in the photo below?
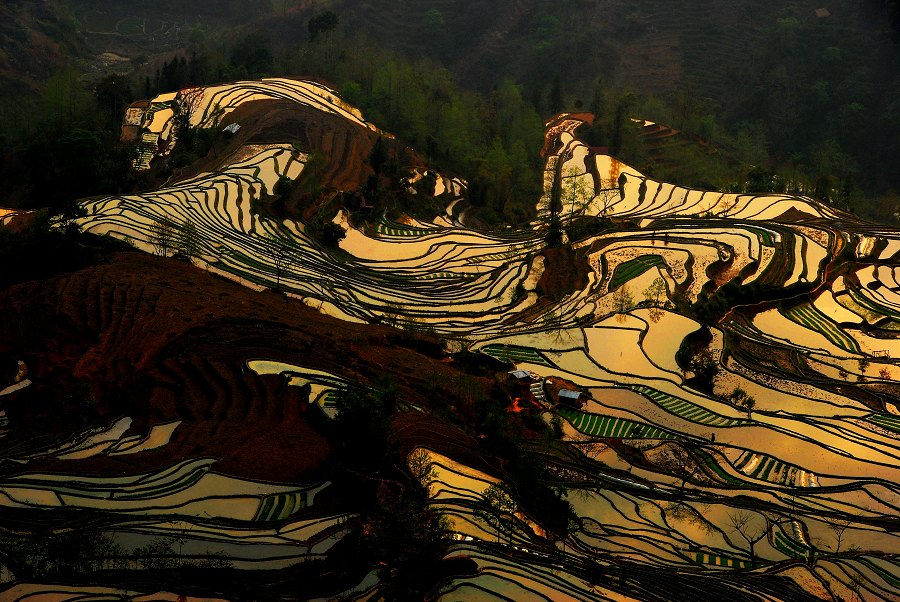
point(730, 428)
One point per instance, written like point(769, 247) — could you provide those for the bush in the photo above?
point(283, 187)
point(331, 234)
point(407, 538)
point(42, 252)
point(363, 423)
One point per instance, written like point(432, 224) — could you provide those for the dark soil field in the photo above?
point(159, 340)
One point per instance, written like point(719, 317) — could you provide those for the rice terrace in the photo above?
point(299, 359)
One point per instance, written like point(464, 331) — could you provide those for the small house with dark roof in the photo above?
point(520, 374)
point(570, 397)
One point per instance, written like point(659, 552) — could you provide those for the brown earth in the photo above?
point(344, 146)
point(558, 124)
point(413, 429)
point(565, 271)
point(159, 340)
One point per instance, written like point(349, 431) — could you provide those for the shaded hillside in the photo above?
point(343, 151)
point(705, 383)
point(144, 27)
point(160, 341)
point(804, 95)
point(35, 41)
point(655, 47)
point(648, 390)
point(804, 98)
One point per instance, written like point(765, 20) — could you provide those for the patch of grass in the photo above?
point(634, 268)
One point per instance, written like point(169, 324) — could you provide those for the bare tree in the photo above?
point(690, 515)
point(863, 364)
point(656, 289)
point(676, 459)
point(553, 322)
point(652, 294)
point(162, 235)
point(749, 405)
point(187, 103)
point(588, 445)
point(623, 301)
point(745, 525)
point(280, 252)
point(188, 239)
point(496, 507)
point(607, 195)
point(422, 469)
point(576, 190)
point(838, 527)
point(743, 400)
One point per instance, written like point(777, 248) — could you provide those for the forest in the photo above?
point(817, 112)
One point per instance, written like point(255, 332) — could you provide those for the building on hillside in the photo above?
point(133, 120)
point(570, 398)
point(522, 375)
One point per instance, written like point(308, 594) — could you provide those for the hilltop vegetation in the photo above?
point(809, 99)
point(760, 98)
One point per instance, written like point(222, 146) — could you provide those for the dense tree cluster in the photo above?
point(818, 113)
point(776, 99)
point(492, 140)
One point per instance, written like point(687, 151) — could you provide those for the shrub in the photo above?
point(331, 235)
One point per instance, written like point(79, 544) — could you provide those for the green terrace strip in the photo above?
point(634, 268)
point(781, 266)
point(327, 401)
point(766, 468)
point(701, 557)
point(185, 482)
point(848, 302)
point(280, 506)
point(686, 409)
point(767, 237)
point(394, 229)
point(789, 547)
point(437, 275)
point(748, 331)
point(168, 481)
point(713, 464)
point(870, 304)
point(889, 577)
point(888, 421)
point(516, 354)
point(610, 427)
point(808, 316)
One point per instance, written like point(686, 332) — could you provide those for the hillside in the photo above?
point(35, 42)
point(655, 47)
point(649, 391)
point(806, 95)
point(796, 97)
